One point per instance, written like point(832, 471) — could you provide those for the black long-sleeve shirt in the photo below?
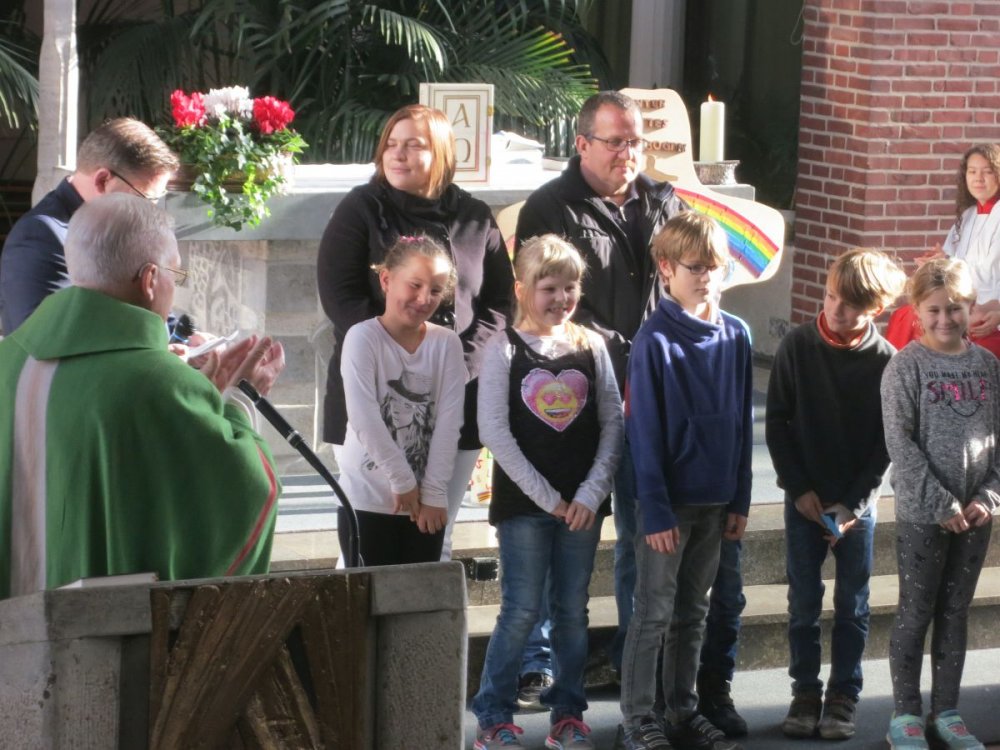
point(824, 418)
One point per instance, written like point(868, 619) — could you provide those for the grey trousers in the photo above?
point(671, 591)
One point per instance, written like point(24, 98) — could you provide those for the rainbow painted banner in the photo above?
point(749, 246)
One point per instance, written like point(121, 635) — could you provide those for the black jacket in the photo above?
point(32, 265)
point(619, 291)
point(365, 224)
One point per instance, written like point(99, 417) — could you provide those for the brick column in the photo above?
point(893, 91)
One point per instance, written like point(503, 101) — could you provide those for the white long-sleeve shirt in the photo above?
point(979, 246)
point(404, 413)
point(494, 420)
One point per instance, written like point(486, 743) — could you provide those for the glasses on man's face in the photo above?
point(137, 191)
point(700, 269)
point(180, 274)
point(618, 144)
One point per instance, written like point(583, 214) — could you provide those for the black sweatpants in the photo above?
point(938, 572)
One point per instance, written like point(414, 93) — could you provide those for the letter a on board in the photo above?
point(461, 117)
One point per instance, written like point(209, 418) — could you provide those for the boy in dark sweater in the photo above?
point(824, 433)
point(689, 419)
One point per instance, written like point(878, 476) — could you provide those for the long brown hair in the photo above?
point(442, 142)
point(963, 198)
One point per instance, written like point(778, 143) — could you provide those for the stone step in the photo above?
point(764, 640)
point(763, 552)
point(763, 563)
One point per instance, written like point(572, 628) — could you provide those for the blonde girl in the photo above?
point(404, 383)
point(550, 411)
point(941, 414)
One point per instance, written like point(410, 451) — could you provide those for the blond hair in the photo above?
point(441, 139)
point(866, 278)
point(126, 146)
point(950, 274)
point(547, 255)
point(694, 234)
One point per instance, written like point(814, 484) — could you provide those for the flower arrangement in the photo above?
point(228, 139)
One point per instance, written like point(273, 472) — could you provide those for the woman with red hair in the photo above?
point(413, 194)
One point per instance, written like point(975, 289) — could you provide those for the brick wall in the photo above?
point(893, 91)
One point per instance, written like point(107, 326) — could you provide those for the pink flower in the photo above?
point(187, 110)
point(271, 114)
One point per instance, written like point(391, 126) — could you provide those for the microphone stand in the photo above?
point(296, 440)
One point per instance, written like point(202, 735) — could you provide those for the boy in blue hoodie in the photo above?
point(689, 419)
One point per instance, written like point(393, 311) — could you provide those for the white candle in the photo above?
point(713, 131)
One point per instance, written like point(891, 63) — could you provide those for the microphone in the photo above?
point(296, 440)
point(185, 327)
point(271, 414)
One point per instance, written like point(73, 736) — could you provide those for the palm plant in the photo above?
point(344, 65)
point(18, 77)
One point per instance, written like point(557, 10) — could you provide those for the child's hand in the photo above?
point(561, 510)
point(956, 524)
point(735, 526)
point(579, 517)
point(407, 502)
point(845, 521)
point(431, 519)
point(665, 541)
point(809, 505)
point(976, 514)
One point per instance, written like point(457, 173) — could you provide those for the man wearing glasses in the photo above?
point(121, 156)
point(115, 456)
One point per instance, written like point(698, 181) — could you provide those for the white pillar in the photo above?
point(657, 51)
point(58, 98)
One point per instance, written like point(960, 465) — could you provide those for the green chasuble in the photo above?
point(116, 457)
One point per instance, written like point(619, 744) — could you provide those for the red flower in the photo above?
point(271, 114)
point(187, 110)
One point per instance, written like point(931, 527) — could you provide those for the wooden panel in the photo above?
point(336, 634)
point(228, 681)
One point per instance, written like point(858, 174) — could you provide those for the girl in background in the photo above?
point(413, 193)
point(941, 415)
point(404, 386)
point(550, 412)
point(975, 238)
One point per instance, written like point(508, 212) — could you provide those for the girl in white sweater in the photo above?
point(404, 383)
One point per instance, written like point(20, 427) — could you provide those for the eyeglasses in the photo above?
point(617, 145)
point(137, 191)
point(700, 269)
point(180, 274)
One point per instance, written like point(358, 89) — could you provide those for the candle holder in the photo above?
point(716, 172)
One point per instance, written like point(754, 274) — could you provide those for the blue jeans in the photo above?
point(531, 548)
point(722, 626)
point(537, 656)
point(671, 599)
point(806, 551)
point(625, 529)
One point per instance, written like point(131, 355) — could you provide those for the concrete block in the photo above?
point(75, 663)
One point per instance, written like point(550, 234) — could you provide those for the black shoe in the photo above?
point(698, 733)
point(647, 736)
point(803, 715)
point(529, 690)
point(715, 703)
point(838, 717)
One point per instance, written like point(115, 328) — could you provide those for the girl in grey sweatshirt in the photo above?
point(941, 413)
